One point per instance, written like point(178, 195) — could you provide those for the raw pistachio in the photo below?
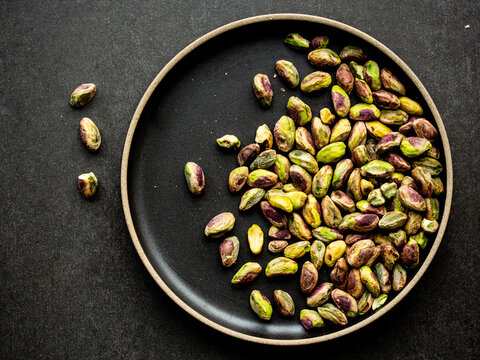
point(320, 133)
point(358, 135)
point(326, 234)
point(296, 41)
point(229, 250)
point(284, 303)
point(194, 177)
point(420, 238)
point(277, 246)
point(360, 155)
point(279, 200)
point(311, 319)
point(281, 266)
point(355, 53)
point(398, 162)
point(411, 199)
point(358, 222)
point(391, 82)
point(360, 252)
point(255, 239)
point(248, 154)
point(279, 233)
point(246, 274)
point(320, 294)
point(343, 201)
point(356, 69)
point(354, 284)
point(220, 225)
point(264, 137)
point(300, 230)
point(396, 178)
point(342, 172)
point(424, 181)
point(396, 204)
point(334, 251)
point(297, 198)
point(386, 100)
point(288, 73)
point(377, 169)
point(250, 198)
point(281, 168)
point(301, 179)
point(407, 128)
point(304, 140)
point(366, 208)
point(87, 183)
point(229, 142)
point(399, 278)
point(434, 152)
point(433, 209)
point(371, 146)
point(264, 160)
point(289, 188)
point(332, 313)
point(410, 106)
point(90, 134)
point(331, 153)
point(338, 276)
point(393, 117)
point(326, 116)
point(429, 226)
point(370, 281)
point(377, 129)
point(299, 111)
point(381, 239)
point(262, 178)
point(275, 217)
point(308, 277)
point(284, 133)
point(320, 41)
point(363, 91)
point(371, 74)
point(83, 94)
point(410, 255)
point(317, 253)
point(389, 141)
point(340, 100)
point(389, 255)
point(389, 190)
point(379, 302)
point(398, 238)
point(414, 146)
point(304, 159)
point(277, 186)
point(365, 303)
point(341, 130)
point(323, 58)
point(413, 224)
point(321, 181)
point(330, 213)
point(375, 197)
point(354, 238)
point(431, 164)
point(363, 111)
point(376, 253)
point(315, 81)
point(424, 128)
point(311, 212)
point(345, 78)
point(345, 302)
point(392, 220)
point(263, 89)
point(261, 305)
point(354, 188)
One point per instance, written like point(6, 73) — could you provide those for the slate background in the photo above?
point(72, 285)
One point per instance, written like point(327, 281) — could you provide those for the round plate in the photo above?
point(204, 93)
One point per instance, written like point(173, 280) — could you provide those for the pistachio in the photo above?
point(351, 239)
point(83, 94)
point(370, 281)
point(358, 135)
point(389, 141)
point(317, 253)
point(391, 82)
point(320, 133)
point(323, 58)
point(334, 251)
point(366, 208)
point(360, 252)
point(288, 73)
point(331, 153)
point(263, 89)
point(246, 274)
point(311, 212)
point(365, 303)
point(371, 147)
point(424, 181)
point(363, 91)
point(264, 137)
point(356, 69)
point(429, 226)
point(381, 239)
point(338, 276)
point(358, 222)
point(277, 246)
point(284, 133)
point(320, 294)
point(296, 41)
point(321, 181)
point(377, 169)
point(229, 250)
point(255, 239)
point(345, 302)
point(411, 199)
point(326, 116)
point(90, 134)
point(393, 117)
point(345, 78)
point(264, 160)
point(413, 224)
point(371, 74)
point(363, 111)
point(375, 197)
point(354, 284)
point(220, 225)
point(407, 128)
point(229, 142)
point(299, 111)
point(399, 278)
point(320, 41)
point(379, 302)
point(424, 128)
point(330, 213)
point(342, 172)
point(281, 168)
point(392, 220)
point(281, 266)
point(310, 319)
point(194, 177)
point(398, 162)
point(377, 129)
point(431, 164)
point(414, 146)
point(297, 198)
point(315, 81)
point(331, 313)
point(275, 217)
point(396, 178)
point(360, 155)
point(279, 200)
point(386, 100)
point(250, 198)
point(87, 183)
point(304, 140)
point(408, 182)
point(398, 238)
point(410, 106)
point(340, 100)
point(433, 152)
point(262, 178)
point(376, 253)
point(301, 179)
point(354, 187)
point(326, 234)
point(343, 201)
point(248, 154)
point(383, 278)
point(433, 209)
point(389, 190)
point(304, 159)
point(284, 303)
point(308, 277)
point(299, 229)
point(410, 255)
point(340, 131)
point(261, 305)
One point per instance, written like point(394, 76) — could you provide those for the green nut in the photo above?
point(331, 153)
point(377, 169)
point(360, 252)
point(317, 254)
point(343, 201)
point(301, 179)
point(377, 129)
point(297, 198)
point(321, 181)
point(389, 142)
point(364, 112)
point(320, 41)
point(371, 74)
point(264, 160)
point(308, 277)
point(434, 152)
point(264, 137)
point(229, 142)
point(340, 100)
point(299, 229)
point(389, 190)
point(414, 223)
point(342, 172)
point(332, 313)
point(339, 274)
point(390, 82)
point(354, 284)
point(360, 155)
point(304, 159)
point(250, 198)
point(358, 135)
point(366, 208)
point(398, 238)
point(281, 266)
point(421, 239)
point(262, 178)
point(356, 69)
point(229, 250)
point(355, 53)
point(393, 117)
point(358, 222)
point(410, 106)
point(261, 305)
point(275, 217)
point(90, 134)
point(423, 180)
point(320, 133)
point(383, 278)
point(433, 209)
point(288, 73)
point(83, 94)
point(263, 89)
point(424, 128)
point(345, 78)
point(296, 41)
point(345, 302)
point(429, 226)
point(376, 198)
point(326, 234)
point(304, 140)
point(299, 111)
point(379, 302)
point(279, 200)
point(311, 212)
point(354, 185)
point(284, 303)
point(386, 100)
point(334, 251)
point(220, 225)
point(320, 294)
point(194, 177)
point(370, 281)
point(411, 199)
point(255, 239)
point(246, 274)
point(277, 246)
point(284, 133)
point(365, 303)
point(431, 164)
point(248, 154)
point(341, 131)
point(396, 178)
point(323, 58)
point(87, 184)
point(399, 278)
point(311, 319)
point(281, 168)
point(279, 234)
point(289, 188)
point(315, 81)
point(326, 116)
point(330, 213)
point(414, 146)
point(410, 255)
point(363, 91)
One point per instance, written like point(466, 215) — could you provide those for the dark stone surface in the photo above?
point(72, 283)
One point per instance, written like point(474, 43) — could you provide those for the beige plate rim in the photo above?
point(267, 18)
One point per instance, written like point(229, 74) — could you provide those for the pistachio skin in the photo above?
point(299, 229)
point(326, 234)
point(311, 212)
point(342, 172)
point(330, 213)
point(284, 133)
point(371, 74)
point(323, 58)
point(360, 252)
point(345, 78)
point(376, 253)
point(310, 319)
point(321, 181)
point(410, 255)
point(315, 81)
point(398, 238)
point(363, 91)
point(261, 305)
point(262, 178)
point(377, 169)
point(281, 266)
point(277, 246)
point(429, 226)
point(320, 133)
point(275, 217)
point(237, 178)
point(308, 277)
point(389, 255)
point(288, 73)
point(320, 41)
point(431, 164)
point(304, 140)
point(248, 154)
point(304, 159)
point(410, 106)
point(424, 181)
point(331, 153)
point(229, 142)
point(386, 100)
point(194, 177)
point(391, 82)
point(281, 167)
point(246, 274)
point(358, 136)
point(397, 161)
point(389, 142)
point(332, 313)
point(355, 53)
point(432, 209)
point(264, 137)
point(87, 184)
point(301, 179)
point(255, 239)
point(421, 239)
point(393, 117)
point(83, 94)
point(355, 286)
point(90, 134)
point(334, 251)
point(364, 112)
point(366, 208)
point(360, 155)
point(389, 190)
point(263, 90)
point(340, 100)
point(413, 223)
point(284, 303)
point(299, 111)
point(320, 294)
point(250, 198)
point(411, 199)
point(370, 281)
point(229, 251)
point(399, 278)
point(339, 274)
point(264, 160)
point(317, 253)
point(345, 302)
point(220, 224)
point(296, 41)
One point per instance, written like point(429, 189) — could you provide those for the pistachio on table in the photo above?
point(83, 94)
point(90, 134)
point(87, 183)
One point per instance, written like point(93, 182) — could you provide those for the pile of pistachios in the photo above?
point(355, 196)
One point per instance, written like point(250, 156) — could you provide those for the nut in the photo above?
point(284, 303)
point(392, 220)
point(365, 303)
point(342, 172)
point(410, 106)
point(194, 177)
point(371, 74)
point(296, 41)
point(377, 129)
point(229, 142)
point(410, 255)
point(311, 212)
point(379, 302)
point(383, 278)
point(277, 246)
point(297, 198)
point(411, 199)
point(358, 135)
point(281, 168)
point(393, 117)
point(304, 140)
point(250, 198)
point(284, 133)
point(310, 319)
point(377, 169)
point(321, 181)
point(281, 266)
point(414, 146)
point(87, 183)
point(340, 100)
point(334, 251)
point(355, 53)
point(279, 200)
point(331, 153)
point(424, 128)
point(260, 305)
point(339, 274)
point(331, 313)
point(354, 284)
point(354, 185)
point(345, 302)
point(317, 253)
point(246, 274)
point(320, 133)
point(296, 250)
point(323, 58)
point(237, 178)
point(356, 69)
point(262, 178)
point(304, 159)
point(255, 239)
point(389, 142)
point(370, 281)
point(326, 234)
point(263, 137)
point(299, 228)
point(301, 179)
point(391, 82)
point(248, 154)
point(340, 131)
point(229, 250)
point(288, 73)
point(343, 201)
point(263, 89)
point(363, 91)
point(360, 252)
point(299, 111)
point(308, 277)
point(399, 277)
point(315, 81)
point(220, 225)
point(90, 134)
point(320, 294)
point(364, 112)
point(330, 213)
point(386, 100)
point(320, 41)
point(275, 217)
point(83, 94)
point(326, 116)
point(345, 78)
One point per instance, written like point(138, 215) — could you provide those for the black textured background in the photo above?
point(72, 285)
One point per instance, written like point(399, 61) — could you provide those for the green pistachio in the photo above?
point(320, 41)
point(297, 198)
point(398, 238)
point(339, 274)
point(264, 160)
point(83, 94)
point(386, 100)
point(315, 81)
point(391, 82)
point(377, 169)
point(296, 41)
point(429, 226)
point(246, 274)
point(304, 159)
point(414, 146)
point(90, 134)
point(376, 198)
point(355, 53)
point(340, 100)
point(343, 201)
point(389, 142)
point(323, 58)
point(281, 266)
point(304, 140)
point(379, 302)
point(277, 246)
point(363, 91)
point(355, 286)
point(340, 131)
point(433, 209)
point(356, 69)
point(366, 208)
point(299, 111)
point(330, 213)
point(332, 313)
point(229, 250)
point(317, 253)
point(284, 303)
point(434, 152)
point(363, 111)
point(399, 278)
point(255, 239)
point(275, 217)
point(311, 319)
point(279, 200)
point(331, 153)
point(262, 178)
point(320, 294)
point(220, 225)
point(365, 303)
point(411, 199)
point(250, 198)
point(420, 238)
point(342, 172)
point(345, 302)
point(377, 129)
point(370, 281)
point(431, 164)
point(277, 233)
point(393, 117)
point(194, 177)
point(360, 155)
point(360, 252)
point(383, 278)
point(311, 212)
point(248, 154)
point(396, 178)
point(371, 74)
point(320, 133)
point(264, 137)
point(410, 255)
point(424, 128)
point(308, 277)
point(87, 184)
point(410, 106)
point(345, 78)
point(288, 73)
point(281, 168)
point(289, 188)
point(284, 133)
point(301, 178)
point(229, 142)
point(358, 222)
point(376, 253)
point(424, 181)
point(326, 234)
point(326, 116)
point(413, 224)
point(263, 89)
point(261, 305)
point(358, 135)
point(321, 181)
point(389, 190)
point(299, 229)
point(334, 251)
point(354, 188)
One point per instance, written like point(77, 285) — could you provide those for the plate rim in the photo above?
point(267, 18)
